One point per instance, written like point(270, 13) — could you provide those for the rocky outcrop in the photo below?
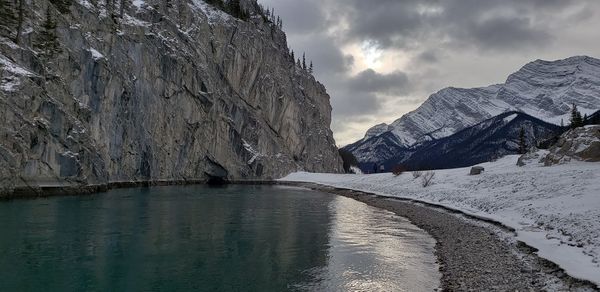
point(158, 93)
point(582, 144)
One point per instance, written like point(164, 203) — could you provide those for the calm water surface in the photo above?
point(185, 238)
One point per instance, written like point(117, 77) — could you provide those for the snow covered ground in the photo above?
point(554, 209)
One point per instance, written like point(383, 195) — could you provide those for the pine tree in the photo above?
point(310, 69)
point(562, 123)
point(299, 64)
point(235, 9)
point(20, 19)
point(522, 141)
point(585, 118)
point(304, 61)
point(122, 7)
point(217, 3)
point(576, 119)
point(47, 42)
point(292, 55)
point(64, 6)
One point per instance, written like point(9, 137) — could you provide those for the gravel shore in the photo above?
point(475, 255)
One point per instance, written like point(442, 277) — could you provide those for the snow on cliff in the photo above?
point(554, 209)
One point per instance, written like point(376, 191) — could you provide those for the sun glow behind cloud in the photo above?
point(380, 59)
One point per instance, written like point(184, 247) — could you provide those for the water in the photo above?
point(237, 238)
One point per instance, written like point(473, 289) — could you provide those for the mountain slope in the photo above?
point(155, 92)
point(493, 138)
point(543, 89)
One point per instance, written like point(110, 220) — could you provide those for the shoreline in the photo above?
point(38, 191)
point(474, 253)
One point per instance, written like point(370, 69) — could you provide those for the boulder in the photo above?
point(476, 170)
point(582, 144)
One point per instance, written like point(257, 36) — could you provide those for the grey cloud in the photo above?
point(445, 41)
point(428, 56)
point(299, 17)
point(370, 81)
point(324, 52)
point(507, 33)
point(354, 103)
point(482, 24)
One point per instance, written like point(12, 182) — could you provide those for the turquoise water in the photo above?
point(195, 238)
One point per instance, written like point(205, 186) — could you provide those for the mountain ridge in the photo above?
point(543, 89)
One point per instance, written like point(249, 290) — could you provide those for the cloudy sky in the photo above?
point(380, 59)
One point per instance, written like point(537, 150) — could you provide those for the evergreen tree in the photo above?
point(20, 19)
point(562, 123)
point(47, 42)
point(310, 69)
point(522, 141)
point(292, 55)
point(576, 119)
point(585, 118)
point(8, 20)
point(216, 3)
point(123, 7)
point(348, 159)
point(299, 64)
point(64, 6)
point(235, 9)
point(304, 61)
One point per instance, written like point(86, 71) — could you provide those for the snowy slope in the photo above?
point(554, 209)
point(490, 139)
point(543, 89)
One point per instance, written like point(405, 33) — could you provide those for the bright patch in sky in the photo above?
point(371, 54)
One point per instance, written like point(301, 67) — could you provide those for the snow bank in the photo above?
point(554, 209)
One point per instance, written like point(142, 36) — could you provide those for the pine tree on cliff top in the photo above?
point(576, 119)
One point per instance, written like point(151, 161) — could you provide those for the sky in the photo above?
point(380, 59)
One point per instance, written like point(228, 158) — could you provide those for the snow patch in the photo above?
point(213, 14)
point(130, 20)
point(554, 209)
point(11, 81)
point(509, 118)
point(250, 149)
point(86, 4)
point(11, 67)
point(139, 4)
point(95, 54)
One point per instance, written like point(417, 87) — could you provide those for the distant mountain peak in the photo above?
point(542, 89)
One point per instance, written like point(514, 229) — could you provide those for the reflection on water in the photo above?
point(238, 238)
point(375, 250)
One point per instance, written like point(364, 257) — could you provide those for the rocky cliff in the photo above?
point(156, 91)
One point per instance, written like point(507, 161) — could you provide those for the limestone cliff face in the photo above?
point(178, 91)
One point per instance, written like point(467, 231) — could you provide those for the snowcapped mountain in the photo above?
point(542, 89)
point(492, 138)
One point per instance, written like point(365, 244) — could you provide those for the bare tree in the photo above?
point(416, 174)
point(427, 178)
